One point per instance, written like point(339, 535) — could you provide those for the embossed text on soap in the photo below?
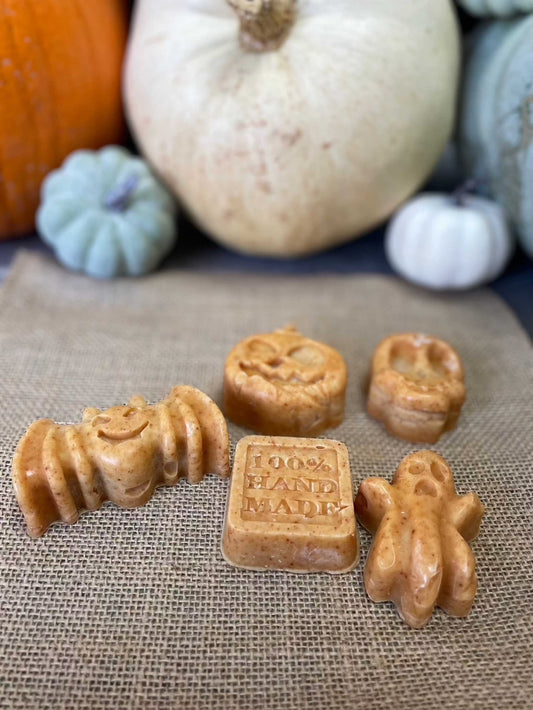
point(291, 485)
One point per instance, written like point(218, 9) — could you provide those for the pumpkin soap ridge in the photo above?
point(105, 213)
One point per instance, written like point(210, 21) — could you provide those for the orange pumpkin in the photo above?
point(60, 69)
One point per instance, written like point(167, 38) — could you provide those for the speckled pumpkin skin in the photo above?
point(496, 124)
point(289, 152)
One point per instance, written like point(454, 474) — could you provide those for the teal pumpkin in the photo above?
point(496, 122)
point(105, 213)
point(496, 8)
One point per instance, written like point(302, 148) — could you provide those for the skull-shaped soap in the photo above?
point(285, 384)
point(121, 454)
point(420, 557)
point(417, 387)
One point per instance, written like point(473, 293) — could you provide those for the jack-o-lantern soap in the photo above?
point(285, 384)
point(417, 387)
point(121, 455)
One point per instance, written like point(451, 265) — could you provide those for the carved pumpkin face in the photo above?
point(285, 384)
point(285, 359)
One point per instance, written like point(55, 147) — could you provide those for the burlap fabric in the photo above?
point(137, 609)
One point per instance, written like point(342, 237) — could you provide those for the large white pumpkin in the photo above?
point(310, 130)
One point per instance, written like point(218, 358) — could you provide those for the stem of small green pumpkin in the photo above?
point(265, 24)
point(120, 197)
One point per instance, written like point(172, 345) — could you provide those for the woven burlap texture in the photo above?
point(137, 608)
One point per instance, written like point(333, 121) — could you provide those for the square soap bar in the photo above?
point(290, 506)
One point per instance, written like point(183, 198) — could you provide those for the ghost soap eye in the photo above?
point(285, 384)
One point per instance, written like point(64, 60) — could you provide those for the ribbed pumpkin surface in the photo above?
point(497, 8)
point(60, 66)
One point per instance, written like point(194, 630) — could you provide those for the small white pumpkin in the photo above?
point(496, 8)
point(449, 242)
point(105, 213)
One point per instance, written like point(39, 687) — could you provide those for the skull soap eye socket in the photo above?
point(437, 360)
point(308, 356)
point(402, 356)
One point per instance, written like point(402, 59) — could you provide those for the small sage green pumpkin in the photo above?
point(105, 213)
point(496, 122)
point(496, 8)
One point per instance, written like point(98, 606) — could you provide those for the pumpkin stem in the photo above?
point(458, 195)
point(265, 24)
point(119, 198)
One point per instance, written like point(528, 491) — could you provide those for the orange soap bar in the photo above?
point(290, 506)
